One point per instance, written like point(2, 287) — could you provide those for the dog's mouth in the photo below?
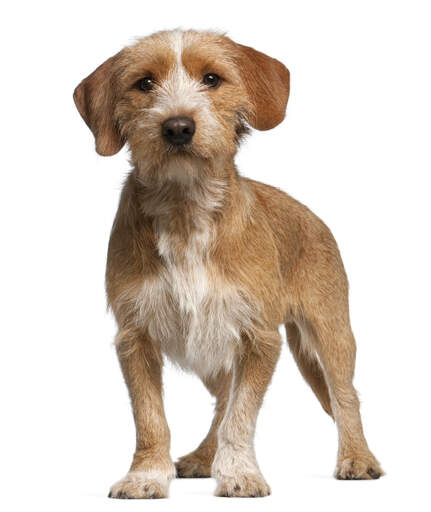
point(179, 148)
point(188, 149)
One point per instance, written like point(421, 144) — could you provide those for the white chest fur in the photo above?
point(196, 318)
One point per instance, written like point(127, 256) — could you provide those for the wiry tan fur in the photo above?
point(205, 265)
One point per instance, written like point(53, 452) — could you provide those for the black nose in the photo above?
point(178, 130)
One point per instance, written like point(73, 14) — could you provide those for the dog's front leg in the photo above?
point(235, 467)
point(152, 468)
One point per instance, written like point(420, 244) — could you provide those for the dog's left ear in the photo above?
point(267, 82)
point(95, 99)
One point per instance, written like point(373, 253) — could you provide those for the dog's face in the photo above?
point(177, 96)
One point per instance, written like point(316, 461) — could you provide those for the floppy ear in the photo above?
point(267, 82)
point(95, 99)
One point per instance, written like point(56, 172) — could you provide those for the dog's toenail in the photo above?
point(374, 474)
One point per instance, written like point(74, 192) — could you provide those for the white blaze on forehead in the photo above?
point(176, 43)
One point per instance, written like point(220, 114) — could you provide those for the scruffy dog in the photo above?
point(204, 265)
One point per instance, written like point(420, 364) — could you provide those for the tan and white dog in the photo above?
point(205, 265)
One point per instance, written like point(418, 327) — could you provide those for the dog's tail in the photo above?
point(309, 366)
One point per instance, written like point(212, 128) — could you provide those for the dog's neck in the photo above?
point(186, 204)
point(185, 187)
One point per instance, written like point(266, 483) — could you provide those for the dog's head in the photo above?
point(180, 95)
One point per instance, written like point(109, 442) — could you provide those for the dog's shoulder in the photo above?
point(286, 214)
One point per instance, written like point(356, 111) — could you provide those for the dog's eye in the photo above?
point(211, 80)
point(145, 84)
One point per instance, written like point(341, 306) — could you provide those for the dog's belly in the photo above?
point(198, 322)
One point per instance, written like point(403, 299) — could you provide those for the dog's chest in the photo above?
point(197, 319)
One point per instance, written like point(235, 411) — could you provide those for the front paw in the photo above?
point(237, 473)
point(243, 486)
point(142, 485)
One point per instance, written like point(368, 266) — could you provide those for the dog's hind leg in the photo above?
point(308, 365)
point(197, 464)
point(335, 345)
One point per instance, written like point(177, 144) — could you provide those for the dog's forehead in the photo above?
point(174, 46)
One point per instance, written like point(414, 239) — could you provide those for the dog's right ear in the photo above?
point(95, 98)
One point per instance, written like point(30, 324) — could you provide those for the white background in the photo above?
point(355, 147)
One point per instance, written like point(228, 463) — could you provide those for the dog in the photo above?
point(205, 265)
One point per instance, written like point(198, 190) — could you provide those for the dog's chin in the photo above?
point(182, 164)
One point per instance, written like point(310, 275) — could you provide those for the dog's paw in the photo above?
point(142, 485)
point(236, 472)
point(194, 465)
point(243, 486)
point(363, 467)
